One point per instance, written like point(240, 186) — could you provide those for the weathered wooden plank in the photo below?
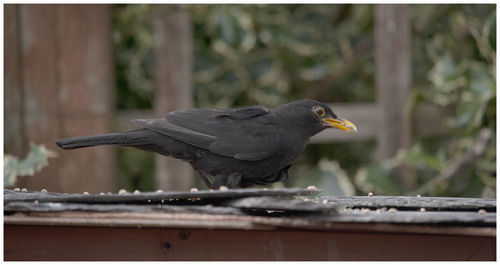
point(282, 204)
point(39, 52)
point(367, 222)
point(33, 207)
point(393, 77)
point(414, 203)
point(173, 54)
point(67, 86)
point(319, 216)
point(12, 196)
point(14, 135)
point(406, 217)
point(85, 94)
point(456, 211)
point(132, 243)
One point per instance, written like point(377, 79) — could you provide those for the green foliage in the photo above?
point(273, 54)
point(456, 44)
point(36, 159)
point(134, 60)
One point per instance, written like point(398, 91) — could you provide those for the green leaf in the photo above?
point(334, 180)
point(36, 159)
point(9, 170)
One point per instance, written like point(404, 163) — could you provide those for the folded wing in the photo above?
point(244, 134)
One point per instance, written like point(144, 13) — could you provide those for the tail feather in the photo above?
point(129, 138)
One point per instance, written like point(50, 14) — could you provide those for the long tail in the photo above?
point(130, 138)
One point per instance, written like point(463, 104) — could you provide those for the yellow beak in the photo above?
point(341, 123)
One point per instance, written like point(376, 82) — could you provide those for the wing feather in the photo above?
point(243, 134)
point(179, 133)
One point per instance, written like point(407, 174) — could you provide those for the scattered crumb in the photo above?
point(158, 191)
point(422, 209)
point(85, 193)
point(312, 188)
point(222, 188)
point(149, 200)
point(43, 190)
point(482, 211)
point(418, 195)
point(24, 189)
point(17, 189)
point(265, 188)
point(370, 193)
point(324, 201)
point(392, 210)
point(193, 190)
point(366, 210)
point(102, 193)
point(122, 191)
point(136, 192)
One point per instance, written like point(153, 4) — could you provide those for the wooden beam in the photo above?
point(393, 77)
point(67, 84)
point(86, 94)
point(38, 242)
point(14, 135)
point(173, 54)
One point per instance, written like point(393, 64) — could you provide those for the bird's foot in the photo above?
point(205, 179)
point(231, 181)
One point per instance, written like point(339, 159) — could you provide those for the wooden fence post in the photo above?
point(66, 84)
point(14, 134)
point(173, 55)
point(393, 76)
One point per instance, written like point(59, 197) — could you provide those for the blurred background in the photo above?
point(419, 81)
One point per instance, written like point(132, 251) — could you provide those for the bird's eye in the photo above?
point(319, 111)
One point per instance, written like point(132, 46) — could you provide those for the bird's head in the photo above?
point(316, 116)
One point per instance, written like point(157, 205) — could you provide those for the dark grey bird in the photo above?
point(236, 147)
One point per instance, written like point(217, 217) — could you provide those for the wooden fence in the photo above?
point(59, 83)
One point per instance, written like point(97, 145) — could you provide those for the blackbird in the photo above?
point(237, 147)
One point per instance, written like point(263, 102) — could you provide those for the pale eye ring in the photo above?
point(319, 111)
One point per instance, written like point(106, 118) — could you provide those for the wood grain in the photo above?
point(60, 84)
point(173, 55)
point(127, 243)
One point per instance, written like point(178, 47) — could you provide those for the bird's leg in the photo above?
point(205, 179)
point(230, 181)
point(283, 174)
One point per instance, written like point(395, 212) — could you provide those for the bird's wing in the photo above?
point(243, 134)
